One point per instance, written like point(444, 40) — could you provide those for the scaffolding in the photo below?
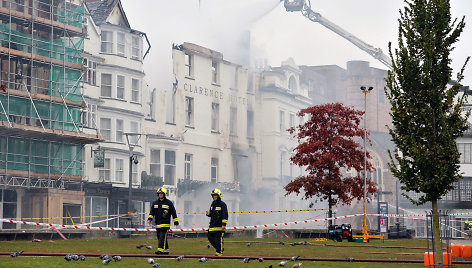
point(41, 48)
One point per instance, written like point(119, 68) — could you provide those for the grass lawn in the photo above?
point(198, 246)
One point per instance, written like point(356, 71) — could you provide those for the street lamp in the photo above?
point(132, 159)
point(364, 224)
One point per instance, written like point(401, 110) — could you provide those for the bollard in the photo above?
point(429, 260)
point(456, 250)
point(467, 251)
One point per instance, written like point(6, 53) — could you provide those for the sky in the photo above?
point(276, 35)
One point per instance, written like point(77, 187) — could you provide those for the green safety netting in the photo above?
point(72, 16)
point(53, 115)
point(64, 48)
point(40, 156)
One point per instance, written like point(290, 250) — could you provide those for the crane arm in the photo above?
point(317, 17)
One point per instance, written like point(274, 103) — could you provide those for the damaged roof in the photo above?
point(100, 10)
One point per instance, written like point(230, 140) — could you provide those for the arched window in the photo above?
point(292, 84)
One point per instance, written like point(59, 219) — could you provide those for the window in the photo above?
point(292, 84)
point(135, 48)
point(120, 87)
point(121, 44)
point(188, 111)
point(188, 167)
point(89, 116)
point(107, 42)
point(214, 72)
point(188, 65)
point(214, 169)
point(105, 89)
point(135, 90)
point(119, 166)
point(292, 120)
point(282, 121)
point(233, 121)
point(302, 120)
point(234, 78)
point(134, 128)
point(91, 73)
point(465, 151)
point(104, 172)
point(250, 124)
point(155, 160)
point(169, 170)
point(105, 128)
point(119, 130)
point(215, 116)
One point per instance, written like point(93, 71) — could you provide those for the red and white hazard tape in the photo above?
point(248, 227)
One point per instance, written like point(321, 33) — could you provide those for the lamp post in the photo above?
point(365, 235)
point(132, 158)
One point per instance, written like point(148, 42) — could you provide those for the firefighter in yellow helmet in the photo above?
point(161, 211)
point(218, 214)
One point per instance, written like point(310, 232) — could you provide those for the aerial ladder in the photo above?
point(304, 6)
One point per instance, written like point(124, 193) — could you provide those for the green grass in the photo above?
point(198, 246)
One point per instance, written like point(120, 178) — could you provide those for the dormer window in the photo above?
point(292, 84)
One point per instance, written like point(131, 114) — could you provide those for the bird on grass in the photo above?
point(296, 265)
point(156, 265)
point(150, 260)
point(270, 266)
point(82, 257)
point(350, 259)
point(260, 259)
point(117, 258)
point(67, 257)
point(16, 254)
point(180, 258)
point(246, 260)
point(149, 247)
point(140, 246)
point(105, 257)
point(283, 263)
point(208, 246)
point(203, 260)
point(106, 261)
point(294, 258)
point(75, 257)
point(249, 244)
point(282, 243)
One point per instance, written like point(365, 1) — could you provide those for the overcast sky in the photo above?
point(276, 34)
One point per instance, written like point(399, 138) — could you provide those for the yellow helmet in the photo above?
point(162, 190)
point(217, 192)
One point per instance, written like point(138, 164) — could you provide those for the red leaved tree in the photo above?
point(328, 148)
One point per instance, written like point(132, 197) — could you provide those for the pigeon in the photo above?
point(105, 257)
point(296, 265)
point(16, 254)
point(260, 259)
point(150, 260)
point(249, 244)
point(293, 244)
point(149, 247)
point(82, 257)
point(156, 265)
point(282, 243)
point(180, 258)
point(208, 246)
point(282, 263)
point(294, 258)
point(106, 261)
point(350, 259)
point(140, 246)
point(117, 258)
point(101, 256)
point(203, 260)
point(67, 257)
point(75, 257)
point(270, 266)
point(246, 260)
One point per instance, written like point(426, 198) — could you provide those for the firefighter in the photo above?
point(218, 214)
point(161, 211)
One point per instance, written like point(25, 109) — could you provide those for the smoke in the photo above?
point(220, 25)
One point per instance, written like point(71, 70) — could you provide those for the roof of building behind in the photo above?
point(100, 10)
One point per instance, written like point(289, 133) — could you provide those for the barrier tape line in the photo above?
point(247, 227)
point(183, 213)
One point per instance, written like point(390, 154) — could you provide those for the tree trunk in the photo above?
point(437, 238)
point(330, 210)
